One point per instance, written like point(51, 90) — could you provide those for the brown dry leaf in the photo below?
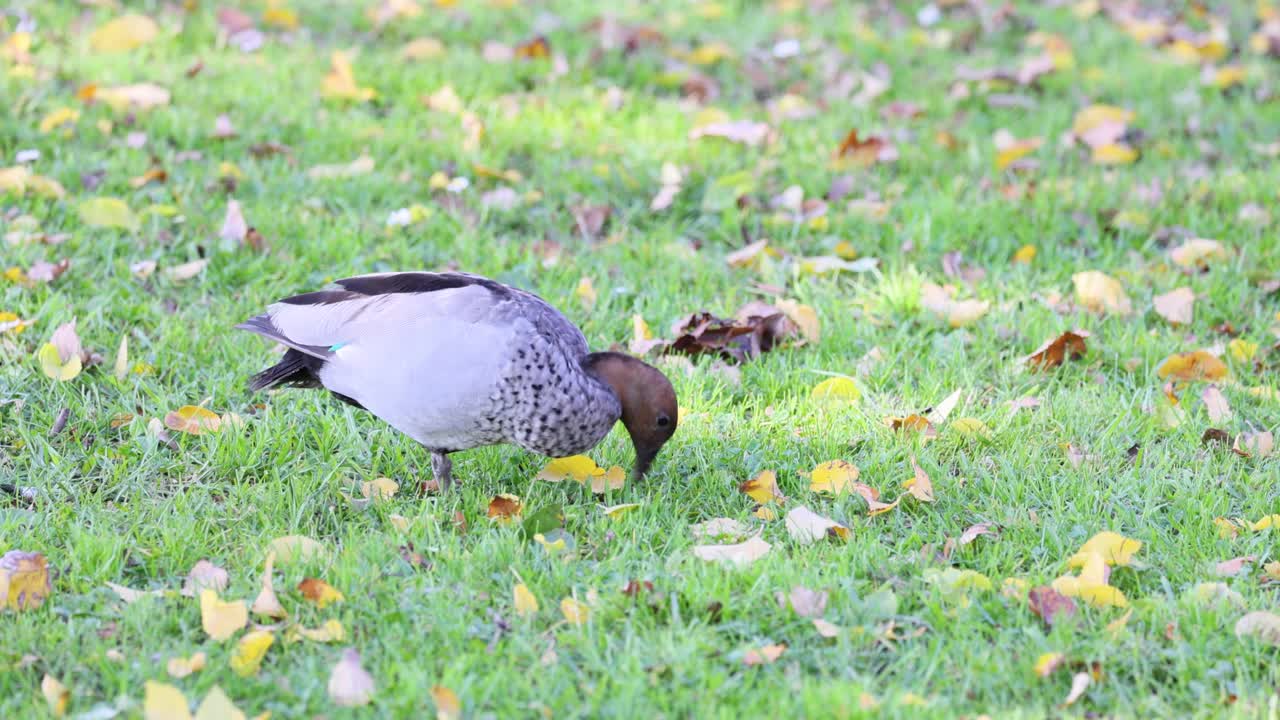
point(1069, 345)
point(129, 595)
point(806, 526)
point(1261, 624)
point(535, 49)
point(973, 532)
point(1192, 366)
point(957, 313)
point(1079, 683)
point(920, 486)
point(193, 420)
point(589, 221)
point(137, 97)
point(24, 580)
point(1216, 404)
point(350, 685)
point(1232, 567)
point(826, 629)
point(56, 694)
point(1254, 444)
point(448, 706)
point(612, 479)
point(505, 508)
point(764, 655)
point(362, 165)
point(1175, 306)
point(746, 132)
point(205, 575)
point(267, 603)
point(913, 423)
point(942, 410)
point(865, 151)
point(718, 528)
point(1198, 254)
point(808, 603)
point(319, 592)
point(740, 555)
point(1101, 293)
point(805, 318)
point(1050, 605)
point(234, 228)
point(757, 328)
point(180, 667)
point(186, 270)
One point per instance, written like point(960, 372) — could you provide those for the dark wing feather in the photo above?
point(261, 325)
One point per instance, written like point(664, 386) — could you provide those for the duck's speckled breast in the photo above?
point(544, 401)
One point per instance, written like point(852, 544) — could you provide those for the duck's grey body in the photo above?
point(454, 361)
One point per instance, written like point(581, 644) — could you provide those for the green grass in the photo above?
point(116, 505)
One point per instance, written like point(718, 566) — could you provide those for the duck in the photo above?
point(458, 361)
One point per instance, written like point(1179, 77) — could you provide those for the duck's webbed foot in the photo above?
point(442, 469)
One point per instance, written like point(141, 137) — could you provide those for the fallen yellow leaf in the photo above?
point(1100, 292)
point(525, 601)
point(1192, 366)
point(56, 694)
point(505, 508)
point(217, 706)
point(319, 592)
point(833, 477)
point(448, 706)
point(836, 388)
point(221, 619)
point(58, 118)
point(107, 212)
point(124, 33)
point(1198, 253)
point(24, 580)
point(380, 489)
point(180, 667)
point(1114, 548)
point(1114, 154)
point(193, 420)
point(340, 83)
point(763, 488)
point(250, 651)
point(53, 365)
point(162, 701)
point(577, 467)
point(575, 613)
point(295, 548)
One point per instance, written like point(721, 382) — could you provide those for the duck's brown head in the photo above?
point(649, 411)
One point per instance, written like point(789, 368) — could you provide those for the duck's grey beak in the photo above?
point(644, 458)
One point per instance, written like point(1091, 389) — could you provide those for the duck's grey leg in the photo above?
point(442, 469)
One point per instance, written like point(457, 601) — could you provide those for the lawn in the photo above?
point(678, 157)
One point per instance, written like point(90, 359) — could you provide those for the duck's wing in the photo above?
point(439, 319)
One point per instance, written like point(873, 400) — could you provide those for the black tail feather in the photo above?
point(295, 368)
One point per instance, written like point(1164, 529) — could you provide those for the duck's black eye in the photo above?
point(663, 421)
